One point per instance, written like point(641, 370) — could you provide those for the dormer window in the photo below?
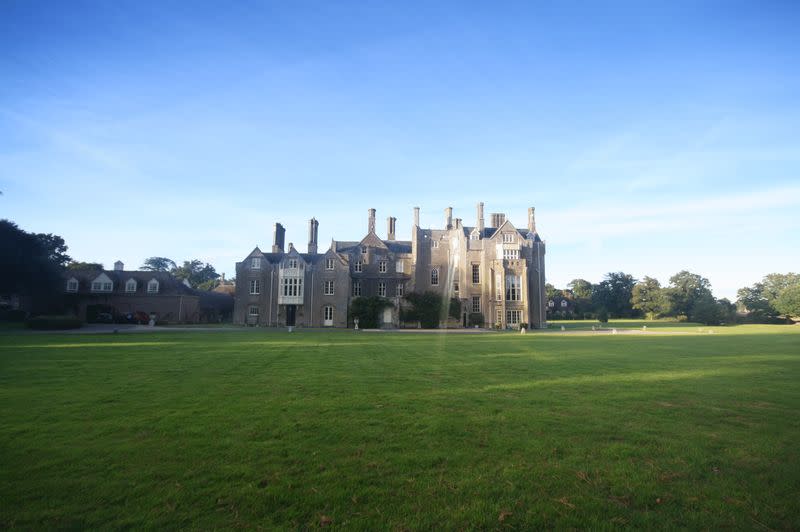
point(563, 303)
point(72, 285)
point(551, 303)
point(328, 264)
point(102, 284)
point(130, 285)
point(152, 286)
point(255, 263)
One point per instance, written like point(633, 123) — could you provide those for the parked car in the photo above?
point(104, 317)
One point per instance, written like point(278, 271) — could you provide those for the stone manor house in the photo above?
point(495, 270)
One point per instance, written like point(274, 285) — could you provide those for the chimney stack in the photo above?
point(458, 223)
point(479, 225)
point(391, 223)
point(119, 266)
point(497, 219)
point(416, 216)
point(448, 215)
point(313, 229)
point(371, 223)
point(277, 238)
point(532, 220)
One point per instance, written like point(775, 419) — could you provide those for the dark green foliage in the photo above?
point(761, 298)
point(368, 311)
point(648, 297)
point(706, 310)
point(602, 315)
point(614, 294)
point(476, 319)
point(159, 264)
point(685, 290)
point(195, 271)
point(31, 266)
point(427, 309)
point(788, 301)
point(78, 266)
point(455, 308)
point(53, 323)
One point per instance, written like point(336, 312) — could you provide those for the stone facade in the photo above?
point(496, 271)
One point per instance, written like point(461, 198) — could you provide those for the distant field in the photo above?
point(362, 430)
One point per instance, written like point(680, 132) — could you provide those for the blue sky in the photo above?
point(651, 137)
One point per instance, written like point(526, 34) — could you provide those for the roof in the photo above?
point(166, 281)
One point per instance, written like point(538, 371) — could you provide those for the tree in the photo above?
point(788, 301)
point(614, 294)
point(195, 272)
point(706, 310)
point(31, 266)
point(648, 297)
point(77, 266)
point(581, 288)
point(760, 299)
point(159, 264)
point(427, 308)
point(685, 290)
point(368, 311)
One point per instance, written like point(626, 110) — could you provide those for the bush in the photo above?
point(13, 315)
point(53, 323)
point(602, 316)
point(476, 318)
point(368, 311)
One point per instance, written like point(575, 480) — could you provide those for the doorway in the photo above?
point(291, 315)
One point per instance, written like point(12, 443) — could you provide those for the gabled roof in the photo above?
point(372, 240)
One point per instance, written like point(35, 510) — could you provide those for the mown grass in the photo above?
point(267, 429)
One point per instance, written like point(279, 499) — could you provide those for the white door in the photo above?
point(387, 316)
point(327, 318)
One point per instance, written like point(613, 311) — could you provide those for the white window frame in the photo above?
point(358, 267)
point(435, 244)
point(508, 238)
point(72, 285)
point(434, 276)
point(251, 309)
point(150, 284)
point(328, 264)
point(382, 289)
point(327, 313)
point(513, 288)
point(511, 254)
point(292, 287)
point(255, 263)
point(356, 289)
point(476, 274)
point(399, 290)
point(255, 287)
point(328, 288)
point(476, 304)
point(128, 284)
point(564, 303)
point(513, 317)
point(398, 266)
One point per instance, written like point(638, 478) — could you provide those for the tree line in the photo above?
point(687, 296)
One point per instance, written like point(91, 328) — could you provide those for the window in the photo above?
point(498, 287)
point(327, 313)
point(398, 266)
point(152, 287)
point(130, 286)
point(476, 303)
point(382, 266)
point(328, 288)
point(292, 287)
point(474, 236)
point(513, 317)
point(513, 292)
point(328, 264)
point(253, 310)
point(399, 290)
point(510, 254)
point(255, 287)
point(455, 285)
point(356, 288)
point(499, 317)
point(292, 263)
point(101, 286)
point(508, 238)
point(255, 263)
point(382, 289)
point(358, 267)
point(563, 303)
point(551, 304)
point(435, 277)
point(476, 273)
point(364, 251)
point(72, 285)
point(434, 244)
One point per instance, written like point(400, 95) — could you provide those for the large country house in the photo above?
point(495, 270)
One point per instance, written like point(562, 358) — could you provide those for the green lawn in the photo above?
point(360, 430)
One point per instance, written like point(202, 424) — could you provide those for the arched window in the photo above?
point(434, 276)
point(152, 287)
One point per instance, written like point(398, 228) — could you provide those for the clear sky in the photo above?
point(650, 136)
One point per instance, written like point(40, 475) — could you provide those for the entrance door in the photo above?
point(291, 312)
point(387, 316)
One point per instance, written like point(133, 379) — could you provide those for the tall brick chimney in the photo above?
point(531, 220)
point(313, 229)
point(448, 218)
point(371, 223)
point(479, 223)
point(391, 223)
point(278, 236)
